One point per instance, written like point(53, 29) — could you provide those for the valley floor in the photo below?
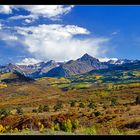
point(51, 106)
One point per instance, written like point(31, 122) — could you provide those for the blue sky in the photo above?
point(38, 33)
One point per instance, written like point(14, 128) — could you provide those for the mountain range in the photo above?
point(82, 65)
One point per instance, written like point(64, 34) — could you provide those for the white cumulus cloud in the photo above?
point(6, 9)
point(49, 41)
point(47, 11)
point(5, 36)
point(28, 20)
point(58, 42)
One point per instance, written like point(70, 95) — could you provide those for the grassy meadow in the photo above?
point(90, 104)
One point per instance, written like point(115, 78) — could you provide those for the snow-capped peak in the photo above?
point(120, 61)
point(28, 61)
point(106, 59)
point(115, 61)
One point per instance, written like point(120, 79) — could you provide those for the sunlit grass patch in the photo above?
point(3, 85)
point(87, 130)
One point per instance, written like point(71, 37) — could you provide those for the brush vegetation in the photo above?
point(90, 104)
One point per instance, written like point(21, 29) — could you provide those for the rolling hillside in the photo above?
point(126, 73)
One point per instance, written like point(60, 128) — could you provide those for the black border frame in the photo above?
point(69, 2)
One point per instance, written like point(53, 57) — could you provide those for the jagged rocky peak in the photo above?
point(70, 61)
point(87, 57)
point(52, 68)
point(51, 62)
point(43, 63)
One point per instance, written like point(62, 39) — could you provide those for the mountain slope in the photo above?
point(82, 65)
point(126, 73)
point(32, 71)
point(59, 69)
point(14, 77)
